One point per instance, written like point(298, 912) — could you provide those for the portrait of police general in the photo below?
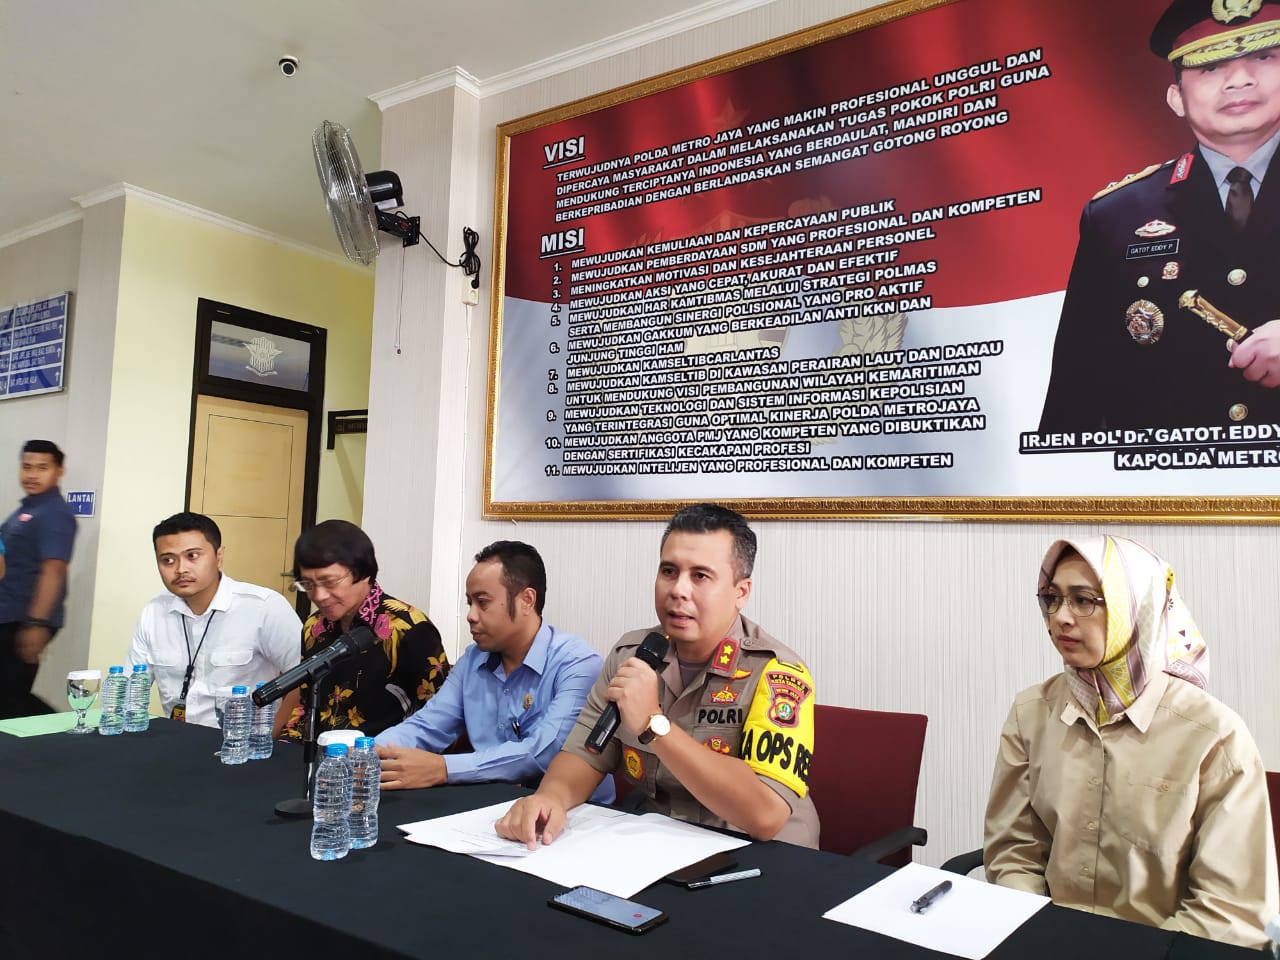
point(1200, 229)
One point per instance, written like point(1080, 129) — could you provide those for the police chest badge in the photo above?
point(1145, 322)
point(725, 695)
point(1155, 228)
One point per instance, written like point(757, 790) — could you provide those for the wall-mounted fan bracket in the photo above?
point(408, 229)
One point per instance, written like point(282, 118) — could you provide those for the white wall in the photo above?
point(932, 617)
point(30, 270)
point(170, 256)
point(82, 257)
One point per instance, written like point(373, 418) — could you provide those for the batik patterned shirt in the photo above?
point(381, 686)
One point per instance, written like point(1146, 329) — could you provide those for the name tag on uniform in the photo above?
point(1152, 248)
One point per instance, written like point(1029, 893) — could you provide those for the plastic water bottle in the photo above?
point(260, 739)
point(330, 828)
point(113, 696)
point(366, 790)
point(237, 718)
point(137, 700)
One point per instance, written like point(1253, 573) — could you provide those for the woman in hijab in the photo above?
point(1121, 787)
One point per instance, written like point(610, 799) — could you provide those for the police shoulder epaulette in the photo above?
point(1127, 179)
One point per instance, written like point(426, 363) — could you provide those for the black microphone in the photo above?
point(651, 652)
point(357, 640)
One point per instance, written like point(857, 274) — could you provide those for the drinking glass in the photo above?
point(82, 690)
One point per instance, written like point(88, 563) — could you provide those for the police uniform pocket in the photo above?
point(1154, 813)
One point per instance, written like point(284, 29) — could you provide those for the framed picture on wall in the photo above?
point(33, 346)
point(845, 273)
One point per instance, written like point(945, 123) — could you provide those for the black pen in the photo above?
point(925, 901)
point(515, 728)
point(725, 878)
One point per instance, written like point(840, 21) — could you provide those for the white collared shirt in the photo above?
point(250, 635)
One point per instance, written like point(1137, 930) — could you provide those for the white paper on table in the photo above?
point(470, 832)
point(610, 850)
point(970, 921)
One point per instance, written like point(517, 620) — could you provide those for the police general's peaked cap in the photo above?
point(1196, 33)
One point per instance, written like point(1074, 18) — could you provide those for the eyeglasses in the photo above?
point(311, 586)
point(1080, 604)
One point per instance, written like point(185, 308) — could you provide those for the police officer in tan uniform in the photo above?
point(1127, 354)
point(723, 734)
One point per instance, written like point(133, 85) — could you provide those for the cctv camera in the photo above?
point(288, 66)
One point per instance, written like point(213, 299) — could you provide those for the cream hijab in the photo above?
point(1149, 628)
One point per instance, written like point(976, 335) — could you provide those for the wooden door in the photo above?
point(248, 465)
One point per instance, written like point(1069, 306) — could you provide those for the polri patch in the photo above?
point(788, 690)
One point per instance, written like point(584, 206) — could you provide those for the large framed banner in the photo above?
point(958, 259)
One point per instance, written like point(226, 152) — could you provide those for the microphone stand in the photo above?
point(300, 808)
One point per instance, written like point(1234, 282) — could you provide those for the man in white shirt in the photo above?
point(208, 632)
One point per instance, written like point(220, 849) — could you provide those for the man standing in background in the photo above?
point(38, 539)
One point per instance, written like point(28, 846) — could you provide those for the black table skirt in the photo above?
point(150, 833)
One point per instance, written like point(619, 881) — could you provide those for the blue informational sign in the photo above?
point(80, 502)
point(33, 349)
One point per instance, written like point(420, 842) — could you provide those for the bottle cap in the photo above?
point(260, 683)
point(139, 668)
point(347, 737)
point(364, 743)
point(239, 690)
point(115, 670)
point(336, 750)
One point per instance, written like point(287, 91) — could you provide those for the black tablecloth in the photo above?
point(148, 833)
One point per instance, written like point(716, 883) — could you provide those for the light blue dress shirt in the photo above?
point(515, 723)
point(1257, 163)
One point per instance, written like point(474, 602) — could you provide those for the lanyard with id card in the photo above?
point(179, 711)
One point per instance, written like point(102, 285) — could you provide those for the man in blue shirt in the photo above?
point(38, 538)
point(515, 692)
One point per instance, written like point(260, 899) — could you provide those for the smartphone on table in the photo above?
point(607, 909)
point(716, 863)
